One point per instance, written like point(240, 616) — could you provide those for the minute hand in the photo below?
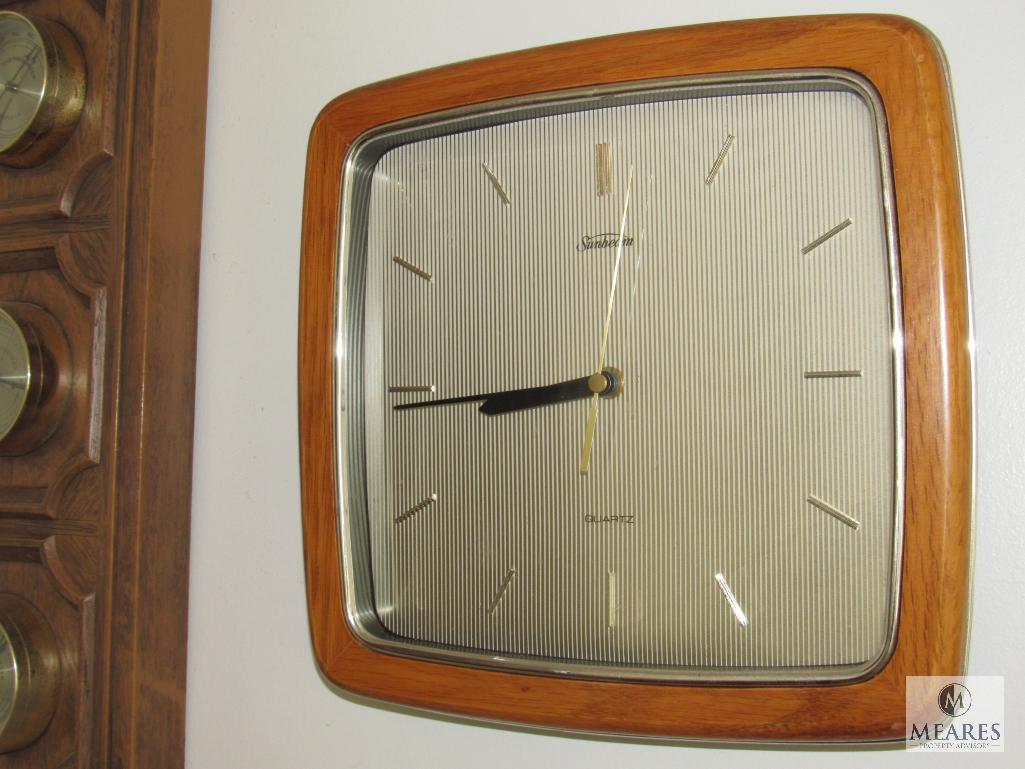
point(508, 401)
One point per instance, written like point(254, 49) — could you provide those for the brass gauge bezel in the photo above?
point(62, 98)
point(33, 649)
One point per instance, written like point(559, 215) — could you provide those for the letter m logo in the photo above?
point(952, 704)
point(954, 699)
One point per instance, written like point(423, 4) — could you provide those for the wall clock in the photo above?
point(635, 383)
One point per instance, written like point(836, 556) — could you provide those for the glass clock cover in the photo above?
point(725, 250)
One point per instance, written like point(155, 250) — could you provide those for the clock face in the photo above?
point(722, 502)
point(22, 76)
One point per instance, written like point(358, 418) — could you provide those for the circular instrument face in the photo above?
point(15, 372)
point(8, 678)
point(29, 673)
point(23, 72)
point(618, 381)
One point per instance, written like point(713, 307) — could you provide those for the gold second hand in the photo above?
point(592, 416)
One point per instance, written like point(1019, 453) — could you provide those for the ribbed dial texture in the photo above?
point(758, 375)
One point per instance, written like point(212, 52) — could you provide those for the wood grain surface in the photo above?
point(905, 65)
point(94, 521)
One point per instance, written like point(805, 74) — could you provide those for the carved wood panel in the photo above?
point(101, 242)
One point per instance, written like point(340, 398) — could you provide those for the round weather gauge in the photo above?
point(8, 677)
point(22, 76)
point(29, 673)
point(15, 372)
point(42, 88)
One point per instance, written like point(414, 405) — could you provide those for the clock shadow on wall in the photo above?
point(741, 232)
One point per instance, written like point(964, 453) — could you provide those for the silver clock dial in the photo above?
point(724, 253)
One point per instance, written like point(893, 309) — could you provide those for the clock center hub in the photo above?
point(607, 383)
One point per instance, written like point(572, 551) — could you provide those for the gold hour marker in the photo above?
point(833, 374)
point(731, 599)
point(422, 504)
point(603, 168)
point(413, 268)
point(612, 599)
point(830, 510)
point(719, 160)
point(826, 236)
point(501, 591)
point(496, 184)
point(411, 388)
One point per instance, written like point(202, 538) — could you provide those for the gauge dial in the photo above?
point(8, 678)
point(35, 375)
point(22, 76)
point(29, 673)
point(15, 372)
point(42, 88)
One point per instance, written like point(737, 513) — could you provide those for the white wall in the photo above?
point(255, 699)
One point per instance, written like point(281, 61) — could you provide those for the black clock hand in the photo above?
point(609, 383)
point(532, 397)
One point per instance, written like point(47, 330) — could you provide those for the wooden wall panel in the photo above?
point(94, 522)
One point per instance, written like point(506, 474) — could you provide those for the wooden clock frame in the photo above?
point(904, 63)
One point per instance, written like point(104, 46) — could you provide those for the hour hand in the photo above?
point(608, 384)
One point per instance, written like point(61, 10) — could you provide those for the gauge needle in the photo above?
point(13, 84)
point(592, 415)
point(606, 384)
point(18, 90)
